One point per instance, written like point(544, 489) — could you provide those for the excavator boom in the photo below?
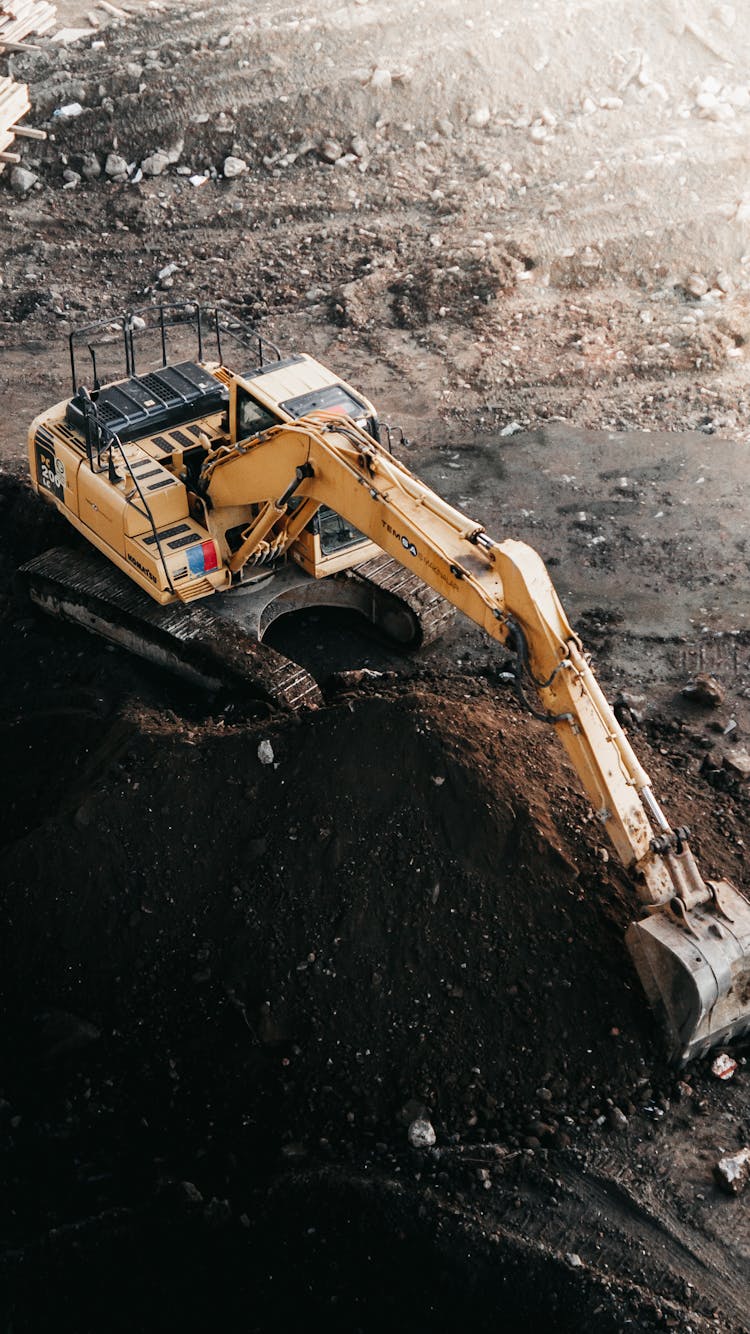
point(692, 950)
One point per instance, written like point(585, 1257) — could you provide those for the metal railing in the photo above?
point(100, 440)
point(209, 322)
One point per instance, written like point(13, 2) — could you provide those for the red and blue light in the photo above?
point(202, 558)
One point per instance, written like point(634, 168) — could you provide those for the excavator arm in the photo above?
point(692, 950)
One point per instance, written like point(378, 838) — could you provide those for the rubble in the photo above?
point(732, 1172)
point(91, 167)
point(155, 164)
point(705, 689)
point(480, 117)
point(116, 167)
point(234, 167)
point(330, 150)
point(381, 80)
point(737, 763)
point(422, 1134)
point(265, 752)
point(22, 181)
point(724, 1066)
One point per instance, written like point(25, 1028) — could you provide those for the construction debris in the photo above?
point(705, 689)
point(18, 19)
point(724, 1066)
point(14, 103)
point(733, 1172)
point(421, 1134)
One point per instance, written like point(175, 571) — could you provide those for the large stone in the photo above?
point(115, 165)
point(381, 80)
point(480, 117)
point(737, 762)
point(330, 150)
point(155, 163)
point(733, 1172)
point(705, 689)
point(22, 180)
point(233, 167)
point(91, 167)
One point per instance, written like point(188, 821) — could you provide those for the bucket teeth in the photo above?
point(697, 975)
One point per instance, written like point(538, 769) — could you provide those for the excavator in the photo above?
point(224, 498)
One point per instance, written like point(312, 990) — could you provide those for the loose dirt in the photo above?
point(232, 985)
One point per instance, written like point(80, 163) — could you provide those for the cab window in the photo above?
point(252, 417)
point(332, 397)
point(335, 532)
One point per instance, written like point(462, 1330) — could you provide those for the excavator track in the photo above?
point(193, 642)
point(429, 611)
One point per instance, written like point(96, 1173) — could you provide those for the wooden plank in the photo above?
point(29, 16)
point(14, 104)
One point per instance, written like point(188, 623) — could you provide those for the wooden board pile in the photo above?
point(18, 20)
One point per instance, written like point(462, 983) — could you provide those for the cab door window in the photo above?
point(252, 416)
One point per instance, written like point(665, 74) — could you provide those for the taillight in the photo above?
point(210, 557)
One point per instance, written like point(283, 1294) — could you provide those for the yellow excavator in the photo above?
point(223, 499)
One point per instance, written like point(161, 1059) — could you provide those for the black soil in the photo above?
point(251, 975)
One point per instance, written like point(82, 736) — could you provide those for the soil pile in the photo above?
point(406, 903)
point(248, 949)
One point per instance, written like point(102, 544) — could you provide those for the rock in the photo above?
point(725, 282)
point(265, 752)
point(22, 180)
point(133, 70)
point(71, 178)
point(358, 146)
point(733, 1172)
point(629, 708)
point(91, 167)
point(155, 164)
point(115, 165)
point(421, 1134)
point(617, 1119)
point(233, 167)
point(166, 272)
point(724, 1066)
point(705, 689)
point(354, 677)
point(696, 285)
point(737, 762)
point(68, 112)
point(381, 79)
point(173, 152)
point(574, 1260)
point(330, 150)
point(480, 117)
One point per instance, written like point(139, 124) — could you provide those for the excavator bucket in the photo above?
point(695, 970)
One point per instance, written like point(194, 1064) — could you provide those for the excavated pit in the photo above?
point(248, 949)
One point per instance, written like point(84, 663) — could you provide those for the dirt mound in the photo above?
point(407, 903)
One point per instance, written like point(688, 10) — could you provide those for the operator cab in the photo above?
point(286, 391)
